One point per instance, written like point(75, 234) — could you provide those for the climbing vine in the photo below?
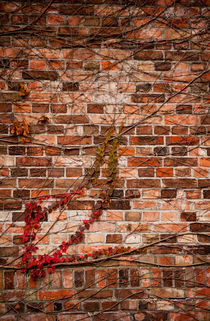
point(35, 213)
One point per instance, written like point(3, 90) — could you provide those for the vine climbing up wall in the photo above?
point(104, 142)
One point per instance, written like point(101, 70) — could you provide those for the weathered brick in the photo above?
point(76, 10)
point(70, 86)
point(9, 251)
point(40, 75)
point(148, 55)
point(114, 238)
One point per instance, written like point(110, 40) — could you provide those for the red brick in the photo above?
point(164, 172)
point(180, 183)
point(38, 64)
point(188, 141)
point(55, 295)
point(95, 108)
point(180, 161)
point(152, 98)
point(133, 293)
point(148, 55)
point(144, 162)
point(74, 140)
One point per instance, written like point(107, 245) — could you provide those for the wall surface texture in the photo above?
point(136, 238)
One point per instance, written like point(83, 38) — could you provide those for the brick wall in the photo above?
point(69, 71)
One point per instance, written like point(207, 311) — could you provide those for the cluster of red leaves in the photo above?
point(34, 213)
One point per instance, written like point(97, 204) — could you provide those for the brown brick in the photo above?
point(162, 66)
point(92, 21)
point(72, 32)
point(143, 183)
point(184, 109)
point(168, 193)
point(162, 130)
point(120, 205)
point(203, 183)
point(133, 216)
point(179, 151)
point(146, 140)
point(9, 251)
point(12, 205)
point(206, 194)
point(17, 150)
point(188, 216)
point(40, 75)
point(152, 98)
point(133, 293)
point(21, 194)
point(203, 238)
point(35, 151)
point(38, 172)
point(114, 238)
point(70, 86)
point(91, 65)
point(110, 22)
point(199, 227)
point(77, 10)
point(80, 205)
point(18, 217)
point(91, 306)
point(91, 130)
point(123, 278)
point(95, 108)
point(19, 172)
point(90, 277)
point(55, 129)
point(182, 55)
point(71, 151)
point(56, 172)
point(72, 119)
point(5, 108)
point(132, 193)
point(179, 130)
point(167, 278)
point(134, 277)
point(35, 183)
point(4, 193)
point(110, 306)
point(40, 108)
point(9, 280)
point(180, 161)
point(79, 278)
point(143, 87)
point(33, 161)
point(3, 129)
point(148, 55)
point(146, 172)
point(143, 130)
point(180, 183)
